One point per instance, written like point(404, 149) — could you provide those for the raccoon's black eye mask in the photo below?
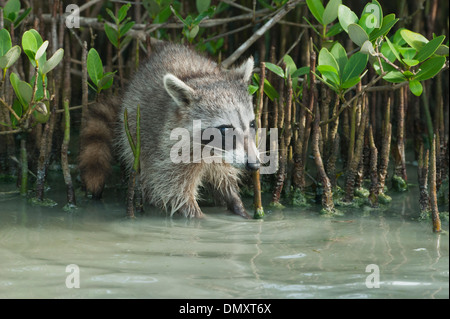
point(223, 131)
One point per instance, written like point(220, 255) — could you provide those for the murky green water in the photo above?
point(291, 254)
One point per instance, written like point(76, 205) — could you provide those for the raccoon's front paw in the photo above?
point(242, 212)
point(237, 207)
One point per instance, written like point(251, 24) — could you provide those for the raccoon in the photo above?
point(175, 88)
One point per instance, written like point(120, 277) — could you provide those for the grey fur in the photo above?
point(175, 87)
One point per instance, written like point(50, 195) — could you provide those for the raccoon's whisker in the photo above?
point(259, 143)
point(213, 148)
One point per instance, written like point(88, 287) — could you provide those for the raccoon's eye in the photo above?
point(253, 124)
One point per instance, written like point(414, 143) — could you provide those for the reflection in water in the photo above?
point(293, 253)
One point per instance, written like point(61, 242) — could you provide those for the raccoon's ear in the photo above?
point(180, 92)
point(246, 69)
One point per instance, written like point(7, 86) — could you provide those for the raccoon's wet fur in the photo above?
point(173, 88)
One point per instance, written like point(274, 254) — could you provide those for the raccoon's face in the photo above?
point(219, 114)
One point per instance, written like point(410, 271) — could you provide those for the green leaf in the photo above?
point(355, 66)
point(317, 9)
point(189, 21)
point(10, 57)
point(275, 69)
point(376, 10)
point(331, 11)
point(123, 12)
point(94, 66)
point(163, 16)
point(357, 34)
point(408, 74)
point(125, 41)
point(125, 28)
point(393, 49)
point(410, 62)
point(442, 50)
point(340, 55)
point(202, 5)
point(430, 68)
point(388, 22)
point(7, 125)
point(368, 22)
point(398, 39)
point(111, 14)
point(326, 58)
point(330, 85)
point(14, 79)
point(106, 81)
point(53, 61)
point(15, 82)
point(191, 33)
point(112, 35)
point(5, 42)
point(17, 107)
point(21, 17)
point(40, 52)
point(330, 73)
point(252, 89)
point(415, 40)
point(346, 17)
point(269, 90)
point(25, 91)
point(153, 8)
point(290, 64)
point(351, 82)
point(31, 41)
point(430, 48)
point(395, 77)
point(11, 9)
point(334, 30)
point(416, 87)
point(37, 36)
point(407, 52)
point(29, 44)
point(301, 71)
point(178, 15)
point(265, 4)
point(204, 14)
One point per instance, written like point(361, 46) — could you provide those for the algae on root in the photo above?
point(276, 205)
point(299, 198)
point(384, 199)
point(399, 184)
point(46, 202)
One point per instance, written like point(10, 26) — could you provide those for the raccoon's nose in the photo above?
point(253, 166)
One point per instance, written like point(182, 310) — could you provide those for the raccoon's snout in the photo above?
point(252, 166)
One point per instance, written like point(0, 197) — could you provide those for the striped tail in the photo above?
point(96, 143)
